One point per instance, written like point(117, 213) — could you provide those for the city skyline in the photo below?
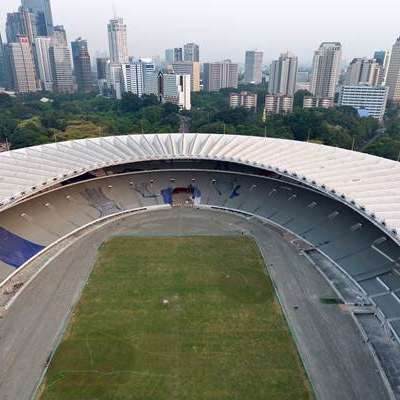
point(223, 38)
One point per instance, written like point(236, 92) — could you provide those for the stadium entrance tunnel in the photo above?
point(367, 255)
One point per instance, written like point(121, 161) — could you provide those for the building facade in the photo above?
point(393, 74)
point(364, 97)
point(191, 52)
point(326, 69)
point(253, 66)
point(191, 68)
point(44, 16)
point(176, 90)
point(178, 54)
point(278, 104)
point(363, 71)
point(220, 75)
point(382, 57)
point(82, 65)
point(22, 66)
point(118, 41)
point(43, 63)
point(318, 102)
point(21, 23)
point(133, 78)
point(60, 59)
point(283, 75)
point(243, 99)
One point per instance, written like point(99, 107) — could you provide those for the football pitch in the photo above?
point(177, 318)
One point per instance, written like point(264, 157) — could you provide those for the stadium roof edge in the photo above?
point(364, 182)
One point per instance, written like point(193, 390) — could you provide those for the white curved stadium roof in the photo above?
point(367, 183)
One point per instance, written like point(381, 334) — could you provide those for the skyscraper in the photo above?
point(253, 66)
point(220, 75)
point(44, 17)
point(382, 57)
point(3, 66)
point(60, 58)
point(82, 65)
point(133, 78)
point(326, 69)
point(189, 68)
point(178, 54)
point(363, 71)
point(21, 23)
point(283, 75)
point(22, 66)
point(42, 51)
point(191, 52)
point(393, 74)
point(101, 64)
point(176, 90)
point(118, 41)
point(169, 56)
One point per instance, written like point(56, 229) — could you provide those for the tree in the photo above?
point(299, 98)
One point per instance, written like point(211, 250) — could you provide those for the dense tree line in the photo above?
point(27, 121)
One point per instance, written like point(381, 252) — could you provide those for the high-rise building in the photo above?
point(114, 80)
point(326, 69)
point(191, 68)
point(22, 66)
point(243, 99)
point(220, 75)
point(382, 57)
point(393, 74)
point(363, 71)
point(43, 63)
point(178, 54)
point(60, 58)
point(21, 23)
point(176, 90)
point(133, 78)
point(4, 79)
point(283, 75)
point(101, 64)
point(82, 65)
point(169, 56)
point(191, 52)
point(278, 104)
point(367, 100)
point(118, 41)
point(44, 17)
point(253, 66)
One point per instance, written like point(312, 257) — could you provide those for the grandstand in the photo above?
point(341, 204)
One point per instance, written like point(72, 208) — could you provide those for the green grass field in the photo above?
point(222, 334)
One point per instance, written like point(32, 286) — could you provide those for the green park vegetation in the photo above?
point(26, 121)
point(177, 318)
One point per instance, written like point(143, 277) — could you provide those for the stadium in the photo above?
point(326, 221)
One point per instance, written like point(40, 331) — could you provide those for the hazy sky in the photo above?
point(226, 28)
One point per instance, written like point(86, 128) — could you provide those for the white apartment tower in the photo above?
point(253, 66)
point(283, 75)
point(326, 69)
point(176, 90)
point(133, 78)
point(118, 41)
point(393, 74)
point(370, 99)
point(42, 49)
